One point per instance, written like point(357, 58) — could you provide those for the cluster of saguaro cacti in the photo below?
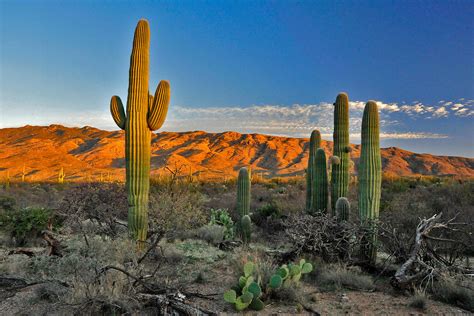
point(144, 114)
point(314, 144)
point(340, 170)
point(243, 203)
point(370, 177)
point(61, 175)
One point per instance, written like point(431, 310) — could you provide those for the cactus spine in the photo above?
point(314, 144)
point(319, 190)
point(370, 177)
point(144, 114)
point(340, 171)
point(343, 209)
point(243, 202)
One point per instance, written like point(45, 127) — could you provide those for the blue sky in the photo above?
point(269, 67)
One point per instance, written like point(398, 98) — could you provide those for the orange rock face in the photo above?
point(91, 154)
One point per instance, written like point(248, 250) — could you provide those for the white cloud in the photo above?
point(441, 112)
point(296, 120)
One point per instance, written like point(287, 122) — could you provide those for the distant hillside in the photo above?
point(87, 153)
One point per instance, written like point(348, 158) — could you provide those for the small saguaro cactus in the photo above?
point(370, 177)
point(340, 171)
point(319, 191)
point(7, 180)
point(23, 173)
point(246, 227)
point(145, 113)
point(314, 144)
point(343, 209)
point(61, 175)
point(243, 202)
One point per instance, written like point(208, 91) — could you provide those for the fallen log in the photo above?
point(170, 304)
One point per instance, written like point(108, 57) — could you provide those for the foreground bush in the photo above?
point(25, 223)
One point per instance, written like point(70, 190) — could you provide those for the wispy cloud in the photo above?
point(296, 120)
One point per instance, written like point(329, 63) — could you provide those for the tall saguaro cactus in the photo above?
point(370, 177)
point(319, 188)
point(314, 144)
point(144, 114)
point(340, 171)
point(243, 202)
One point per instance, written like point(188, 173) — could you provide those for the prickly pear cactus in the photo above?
point(144, 114)
point(249, 291)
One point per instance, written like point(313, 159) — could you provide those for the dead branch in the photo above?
point(54, 247)
point(171, 303)
point(169, 300)
point(426, 261)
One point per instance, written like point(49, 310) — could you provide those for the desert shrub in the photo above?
point(455, 292)
point(24, 223)
point(321, 234)
point(176, 208)
point(222, 218)
point(7, 203)
point(213, 234)
point(195, 250)
point(403, 211)
point(339, 276)
point(418, 300)
point(81, 267)
point(102, 203)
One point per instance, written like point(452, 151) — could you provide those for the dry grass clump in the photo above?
point(339, 276)
point(418, 301)
point(455, 292)
point(176, 209)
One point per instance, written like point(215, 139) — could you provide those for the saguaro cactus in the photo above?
point(23, 173)
point(343, 209)
point(145, 113)
point(246, 227)
point(370, 177)
point(314, 144)
point(319, 193)
point(340, 171)
point(61, 175)
point(243, 202)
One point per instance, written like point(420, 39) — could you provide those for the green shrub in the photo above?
point(23, 223)
point(221, 217)
point(7, 203)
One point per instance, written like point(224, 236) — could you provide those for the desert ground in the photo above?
point(191, 259)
